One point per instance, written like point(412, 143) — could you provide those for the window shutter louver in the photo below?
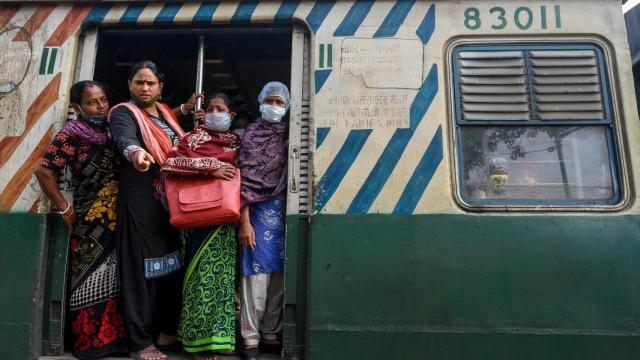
point(531, 85)
point(566, 85)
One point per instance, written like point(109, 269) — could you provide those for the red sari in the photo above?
point(202, 151)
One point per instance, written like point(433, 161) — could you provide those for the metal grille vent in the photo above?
point(566, 85)
point(493, 85)
point(530, 85)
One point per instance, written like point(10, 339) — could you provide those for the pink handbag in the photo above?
point(198, 201)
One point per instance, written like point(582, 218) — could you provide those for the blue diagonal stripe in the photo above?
point(428, 25)
point(318, 13)
point(394, 19)
point(380, 172)
point(321, 77)
point(132, 13)
point(424, 98)
point(354, 18)
point(286, 10)
point(168, 13)
point(96, 15)
point(395, 148)
point(244, 11)
point(421, 176)
point(205, 11)
point(321, 134)
point(338, 168)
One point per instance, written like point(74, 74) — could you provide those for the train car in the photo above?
point(461, 177)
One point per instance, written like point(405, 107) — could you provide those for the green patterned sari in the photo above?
point(207, 322)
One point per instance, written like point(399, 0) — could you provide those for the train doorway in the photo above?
point(237, 61)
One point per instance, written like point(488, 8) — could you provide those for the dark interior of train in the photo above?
point(237, 62)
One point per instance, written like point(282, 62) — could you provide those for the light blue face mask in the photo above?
point(272, 113)
point(219, 121)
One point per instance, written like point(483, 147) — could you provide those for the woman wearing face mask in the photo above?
point(207, 322)
point(83, 146)
point(145, 131)
point(263, 165)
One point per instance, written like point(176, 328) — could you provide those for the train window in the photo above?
point(534, 126)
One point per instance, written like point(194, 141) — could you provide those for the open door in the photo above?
point(299, 198)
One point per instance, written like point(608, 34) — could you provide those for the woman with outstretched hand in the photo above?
point(145, 131)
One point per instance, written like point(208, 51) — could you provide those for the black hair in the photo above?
point(223, 96)
point(240, 115)
point(78, 88)
point(146, 64)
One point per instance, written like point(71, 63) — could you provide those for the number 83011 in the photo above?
point(523, 17)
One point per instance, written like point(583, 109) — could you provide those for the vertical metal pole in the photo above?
point(199, 69)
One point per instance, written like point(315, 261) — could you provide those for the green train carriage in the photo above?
point(462, 174)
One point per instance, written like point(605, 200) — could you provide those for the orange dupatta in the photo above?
point(155, 139)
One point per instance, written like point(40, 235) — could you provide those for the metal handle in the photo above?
point(295, 156)
point(199, 71)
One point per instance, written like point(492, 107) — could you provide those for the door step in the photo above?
point(172, 356)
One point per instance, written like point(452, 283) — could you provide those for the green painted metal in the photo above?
point(473, 286)
point(22, 252)
point(295, 287)
point(55, 287)
point(23, 263)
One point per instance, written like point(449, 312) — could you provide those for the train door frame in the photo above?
point(299, 196)
point(299, 179)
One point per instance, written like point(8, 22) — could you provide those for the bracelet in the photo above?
point(65, 210)
point(182, 109)
point(132, 152)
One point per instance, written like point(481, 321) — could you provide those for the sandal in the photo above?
point(272, 346)
point(149, 353)
point(250, 354)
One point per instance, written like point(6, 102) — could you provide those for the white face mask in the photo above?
point(272, 113)
point(219, 121)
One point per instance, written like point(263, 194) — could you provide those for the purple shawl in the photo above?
point(86, 132)
point(262, 161)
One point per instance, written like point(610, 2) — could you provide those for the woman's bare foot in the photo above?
point(151, 352)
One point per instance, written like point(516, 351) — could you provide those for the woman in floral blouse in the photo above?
point(95, 305)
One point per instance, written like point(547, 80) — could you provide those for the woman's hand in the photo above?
point(225, 173)
point(246, 235)
point(190, 105)
point(198, 116)
point(70, 219)
point(48, 181)
point(142, 160)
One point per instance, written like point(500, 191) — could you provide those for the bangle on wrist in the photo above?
point(133, 152)
point(63, 212)
point(182, 110)
point(69, 214)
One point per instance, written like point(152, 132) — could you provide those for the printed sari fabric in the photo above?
point(201, 152)
point(95, 301)
point(207, 321)
point(263, 161)
point(268, 222)
point(208, 304)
